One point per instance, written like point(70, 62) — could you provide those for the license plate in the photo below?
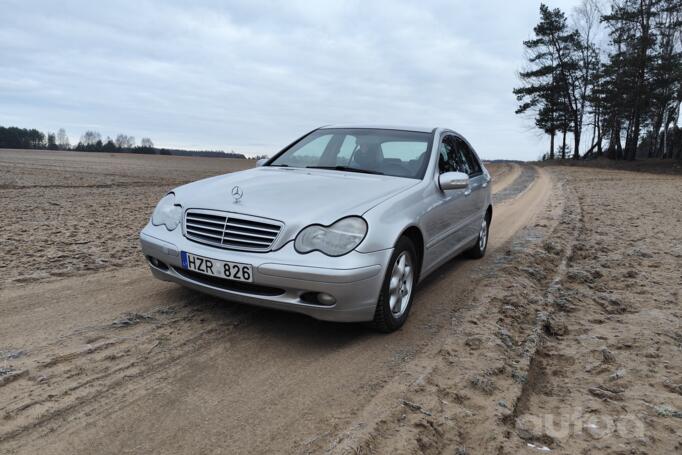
point(222, 269)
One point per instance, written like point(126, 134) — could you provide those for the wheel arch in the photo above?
point(414, 234)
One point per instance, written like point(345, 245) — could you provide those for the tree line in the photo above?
point(613, 76)
point(91, 141)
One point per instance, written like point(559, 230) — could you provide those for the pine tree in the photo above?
point(666, 73)
point(633, 97)
point(552, 83)
point(631, 23)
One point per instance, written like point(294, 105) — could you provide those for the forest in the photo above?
point(91, 141)
point(606, 80)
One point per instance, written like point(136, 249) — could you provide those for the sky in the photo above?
point(252, 75)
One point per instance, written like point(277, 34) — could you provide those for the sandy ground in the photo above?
point(574, 312)
point(71, 213)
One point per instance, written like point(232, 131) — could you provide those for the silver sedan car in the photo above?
point(340, 225)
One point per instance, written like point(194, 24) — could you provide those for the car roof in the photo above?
point(382, 127)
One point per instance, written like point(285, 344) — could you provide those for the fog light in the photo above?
point(326, 299)
point(318, 298)
point(156, 263)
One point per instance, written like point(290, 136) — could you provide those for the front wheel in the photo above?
point(478, 250)
point(397, 291)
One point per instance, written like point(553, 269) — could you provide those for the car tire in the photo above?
point(398, 288)
point(478, 250)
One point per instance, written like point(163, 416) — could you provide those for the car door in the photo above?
point(478, 181)
point(449, 216)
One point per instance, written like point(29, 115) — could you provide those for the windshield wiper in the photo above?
point(347, 168)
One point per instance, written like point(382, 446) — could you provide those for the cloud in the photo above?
point(253, 75)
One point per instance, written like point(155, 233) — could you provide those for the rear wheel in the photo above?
point(478, 250)
point(397, 291)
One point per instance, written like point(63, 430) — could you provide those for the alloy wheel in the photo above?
point(483, 235)
point(400, 285)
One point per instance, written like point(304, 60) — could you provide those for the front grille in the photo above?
point(231, 231)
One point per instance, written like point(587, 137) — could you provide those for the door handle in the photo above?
point(485, 184)
point(467, 192)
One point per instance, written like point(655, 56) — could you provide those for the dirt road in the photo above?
point(108, 360)
point(572, 345)
point(115, 361)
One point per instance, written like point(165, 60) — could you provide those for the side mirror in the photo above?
point(261, 162)
point(453, 181)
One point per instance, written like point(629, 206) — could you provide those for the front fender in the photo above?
point(388, 220)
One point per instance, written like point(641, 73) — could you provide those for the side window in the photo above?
point(452, 157)
point(474, 167)
point(447, 155)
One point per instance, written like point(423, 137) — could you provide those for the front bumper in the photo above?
point(354, 279)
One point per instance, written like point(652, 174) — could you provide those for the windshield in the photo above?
point(373, 151)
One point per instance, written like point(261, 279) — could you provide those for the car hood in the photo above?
point(297, 197)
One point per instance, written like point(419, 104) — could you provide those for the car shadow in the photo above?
point(277, 325)
point(294, 329)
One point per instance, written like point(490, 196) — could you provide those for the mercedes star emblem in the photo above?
point(237, 193)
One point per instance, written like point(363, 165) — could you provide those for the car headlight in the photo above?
point(336, 240)
point(167, 212)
